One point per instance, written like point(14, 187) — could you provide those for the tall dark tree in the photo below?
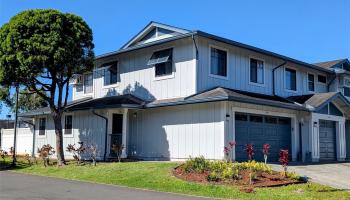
point(41, 50)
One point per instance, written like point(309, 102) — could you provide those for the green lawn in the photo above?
point(157, 176)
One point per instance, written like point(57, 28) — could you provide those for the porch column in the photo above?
point(125, 129)
point(340, 138)
point(315, 139)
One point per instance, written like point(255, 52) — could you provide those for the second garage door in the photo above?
point(258, 130)
point(327, 140)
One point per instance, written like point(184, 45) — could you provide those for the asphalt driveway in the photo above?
point(14, 186)
point(336, 175)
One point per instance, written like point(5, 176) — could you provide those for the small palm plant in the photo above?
point(266, 151)
point(118, 150)
point(249, 148)
point(284, 155)
point(228, 151)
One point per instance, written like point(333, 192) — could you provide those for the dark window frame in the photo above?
point(164, 69)
point(252, 79)
point(312, 89)
point(221, 73)
point(111, 74)
point(42, 126)
point(68, 127)
point(322, 77)
point(290, 86)
point(90, 88)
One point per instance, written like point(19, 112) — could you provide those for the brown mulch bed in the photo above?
point(263, 179)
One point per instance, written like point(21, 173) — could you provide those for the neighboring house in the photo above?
point(171, 93)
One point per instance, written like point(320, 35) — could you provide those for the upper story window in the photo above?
point(256, 71)
point(68, 124)
point(111, 74)
point(346, 87)
point(42, 126)
point(311, 82)
point(88, 83)
point(291, 77)
point(322, 79)
point(218, 62)
point(162, 61)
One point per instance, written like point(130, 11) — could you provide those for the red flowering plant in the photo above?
point(250, 151)
point(266, 151)
point(228, 151)
point(284, 155)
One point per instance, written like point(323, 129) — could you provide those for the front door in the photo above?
point(117, 131)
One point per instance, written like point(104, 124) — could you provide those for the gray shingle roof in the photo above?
point(329, 64)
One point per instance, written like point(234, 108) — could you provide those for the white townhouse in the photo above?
point(171, 93)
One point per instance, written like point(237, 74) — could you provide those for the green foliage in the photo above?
point(255, 166)
point(292, 175)
point(41, 50)
point(37, 41)
point(197, 164)
point(224, 170)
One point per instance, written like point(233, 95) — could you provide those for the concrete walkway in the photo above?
point(336, 175)
point(14, 186)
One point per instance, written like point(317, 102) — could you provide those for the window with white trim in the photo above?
point(218, 62)
point(68, 124)
point(162, 62)
point(311, 82)
point(111, 74)
point(256, 71)
point(290, 79)
point(42, 126)
point(88, 83)
point(346, 88)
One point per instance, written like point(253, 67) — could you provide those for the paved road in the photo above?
point(14, 186)
point(336, 175)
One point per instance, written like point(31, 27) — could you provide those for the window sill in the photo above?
point(111, 86)
point(68, 135)
point(292, 91)
point(219, 77)
point(42, 136)
point(257, 84)
point(159, 78)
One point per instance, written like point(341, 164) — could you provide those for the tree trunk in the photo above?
point(59, 139)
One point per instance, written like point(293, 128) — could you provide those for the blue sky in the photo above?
point(310, 30)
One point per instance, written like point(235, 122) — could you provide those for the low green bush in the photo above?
point(197, 164)
point(255, 166)
point(292, 175)
point(224, 170)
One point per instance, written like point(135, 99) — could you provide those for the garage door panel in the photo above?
point(327, 140)
point(258, 133)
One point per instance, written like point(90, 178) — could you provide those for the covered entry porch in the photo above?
point(114, 111)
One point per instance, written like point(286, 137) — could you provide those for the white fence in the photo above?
point(24, 140)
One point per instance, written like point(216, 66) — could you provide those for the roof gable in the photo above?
point(152, 32)
point(334, 64)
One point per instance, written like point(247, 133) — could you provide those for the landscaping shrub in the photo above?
point(3, 154)
point(197, 164)
point(45, 152)
point(292, 175)
point(250, 151)
point(284, 160)
point(224, 170)
point(266, 151)
point(76, 151)
point(255, 166)
point(228, 151)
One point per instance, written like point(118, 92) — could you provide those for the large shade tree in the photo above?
point(41, 50)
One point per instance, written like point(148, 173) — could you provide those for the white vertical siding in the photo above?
point(138, 78)
point(178, 132)
point(24, 141)
point(87, 128)
point(238, 72)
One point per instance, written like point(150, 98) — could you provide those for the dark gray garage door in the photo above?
point(258, 130)
point(327, 140)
